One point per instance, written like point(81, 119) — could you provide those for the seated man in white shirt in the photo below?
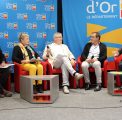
point(60, 56)
point(94, 54)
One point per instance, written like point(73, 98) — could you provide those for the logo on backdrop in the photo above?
point(34, 44)
point(11, 6)
point(31, 25)
point(22, 16)
point(41, 35)
point(40, 16)
point(3, 35)
point(49, 26)
point(12, 25)
point(49, 7)
point(4, 15)
point(31, 7)
point(102, 9)
point(10, 44)
point(6, 54)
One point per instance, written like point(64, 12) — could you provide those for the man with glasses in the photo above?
point(59, 56)
point(94, 54)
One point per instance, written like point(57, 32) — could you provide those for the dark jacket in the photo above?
point(120, 51)
point(2, 57)
point(18, 56)
point(102, 55)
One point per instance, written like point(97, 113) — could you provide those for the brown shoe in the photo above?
point(7, 93)
point(2, 96)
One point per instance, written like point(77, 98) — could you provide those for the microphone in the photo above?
point(50, 50)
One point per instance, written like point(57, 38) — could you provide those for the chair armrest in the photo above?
point(17, 68)
point(44, 64)
point(117, 61)
point(105, 65)
point(79, 62)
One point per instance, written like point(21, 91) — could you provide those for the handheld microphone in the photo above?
point(50, 50)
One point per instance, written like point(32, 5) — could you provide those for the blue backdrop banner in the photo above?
point(82, 17)
point(38, 18)
point(74, 25)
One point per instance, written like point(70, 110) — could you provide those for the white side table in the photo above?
point(111, 83)
point(49, 96)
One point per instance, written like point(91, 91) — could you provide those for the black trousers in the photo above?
point(120, 68)
point(4, 73)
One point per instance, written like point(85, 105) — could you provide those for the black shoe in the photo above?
point(40, 88)
point(34, 89)
point(7, 93)
point(87, 86)
point(98, 87)
point(120, 88)
point(1, 95)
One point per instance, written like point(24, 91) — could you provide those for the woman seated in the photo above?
point(29, 59)
point(4, 73)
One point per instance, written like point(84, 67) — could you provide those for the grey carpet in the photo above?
point(78, 105)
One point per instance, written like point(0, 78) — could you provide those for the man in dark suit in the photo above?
point(93, 55)
point(4, 72)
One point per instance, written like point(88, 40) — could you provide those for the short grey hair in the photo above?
point(22, 35)
point(57, 34)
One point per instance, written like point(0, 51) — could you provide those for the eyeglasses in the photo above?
point(58, 37)
point(92, 36)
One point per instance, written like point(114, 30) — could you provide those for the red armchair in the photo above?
point(117, 61)
point(18, 72)
point(91, 69)
point(51, 71)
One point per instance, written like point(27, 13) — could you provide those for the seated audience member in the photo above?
point(4, 73)
point(59, 56)
point(24, 54)
point(94, 54)
point(117, 53)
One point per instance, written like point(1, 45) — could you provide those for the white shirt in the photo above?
point(94, 51)
point(56, 49)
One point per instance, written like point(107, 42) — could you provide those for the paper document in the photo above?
point(6, 65)
point(35, 60)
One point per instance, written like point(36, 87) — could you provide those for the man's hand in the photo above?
point(3, 64)
point(115, 53)
point(25, 61)
point(73, 62)
point(93, 60)
point(89, 60)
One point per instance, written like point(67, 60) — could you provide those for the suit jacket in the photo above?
point(2, 57)
point(120, 51)
point(102, 55)
point(18, 56)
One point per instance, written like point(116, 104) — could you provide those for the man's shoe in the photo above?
point(98, 87)
point(7, 93)
point(87, 86)
point(2, 96)
point(78, 76)
point(120, 88)
point(39, 89)
point(66, 90)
